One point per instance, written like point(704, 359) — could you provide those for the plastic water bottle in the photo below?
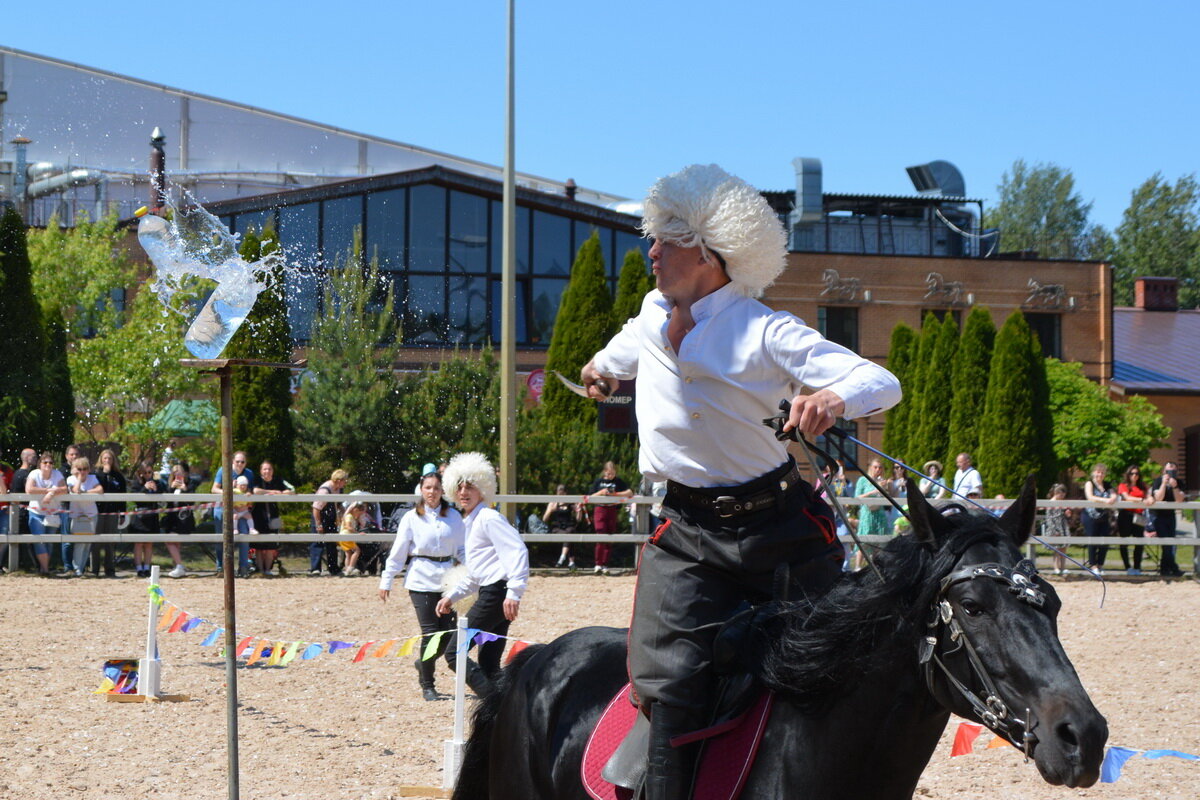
point(228, 305)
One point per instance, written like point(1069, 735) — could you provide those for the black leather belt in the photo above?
point(732, 501)
point(441, 559)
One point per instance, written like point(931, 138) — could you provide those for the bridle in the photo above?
point(1021, 581)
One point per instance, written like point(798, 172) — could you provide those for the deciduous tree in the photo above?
point(1040, 210)
point(1159, 235)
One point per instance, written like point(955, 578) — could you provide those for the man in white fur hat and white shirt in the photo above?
point(497, 563)
point(712, 362)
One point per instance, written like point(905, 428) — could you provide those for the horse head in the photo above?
point(991, 651)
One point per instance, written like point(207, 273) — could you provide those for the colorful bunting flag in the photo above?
point(517, 646)
point(312, 651)
point(213, 637)
point(242, 645)
point(276, 654)
point(362, 652)
point(1114, 761)
point(178, 623)
point(290, 655)
point(167, 618)
point(259, 649)
point(384, 648)
point(964, 738)
point(191, 625)
point(483, 637)
point(407, 648)
point(155, 592)
point(431, 647)
point(997, 741)
point(335, 646)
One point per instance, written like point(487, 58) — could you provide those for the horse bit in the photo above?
point(1021, 581)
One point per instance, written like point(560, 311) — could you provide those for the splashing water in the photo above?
point(195, 245)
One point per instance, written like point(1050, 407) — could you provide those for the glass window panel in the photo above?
point(384, 238)
point(298, 235)
point(839, 324)
point(468, 233)
point(547, 293)
point(1048, 328)
point(520, 323)
point(625, 243)
point(522, 232)
point(582, 230)
point(468, 309)
point(341, 217)
point(551, 244)
point(427, 228)
point(425, 309)
point(258, 220)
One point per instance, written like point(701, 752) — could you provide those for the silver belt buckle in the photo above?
point(717, 503)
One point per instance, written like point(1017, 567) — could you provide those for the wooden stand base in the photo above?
point(141, 698)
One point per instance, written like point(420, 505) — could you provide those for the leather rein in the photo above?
point(1021, 581)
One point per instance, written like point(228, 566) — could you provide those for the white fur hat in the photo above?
point(472, 468)
point(704, 206)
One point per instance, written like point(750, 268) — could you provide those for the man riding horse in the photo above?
point(712, 362)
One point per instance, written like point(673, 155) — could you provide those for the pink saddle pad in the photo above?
point(725, 760)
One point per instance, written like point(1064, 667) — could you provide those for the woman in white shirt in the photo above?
point(430, 540)
point(83, 512)
point(44, 511)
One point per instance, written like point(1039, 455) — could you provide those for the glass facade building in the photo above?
point(436, 235)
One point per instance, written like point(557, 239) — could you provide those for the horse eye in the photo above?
point(970, 607)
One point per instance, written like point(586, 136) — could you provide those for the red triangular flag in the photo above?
point(362, 652)
point(517, 646)
point(964, 738)
point(179, 622)
point(242, 645)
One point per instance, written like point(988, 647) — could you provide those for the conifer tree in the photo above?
point(60, 397)
point(970, 380)
point(901, 354)
point(938, 398)
point(583, 326)
point(1012, 434)
point(262, 397)
point(22, 389)
point(631, 288)
point(915, 449)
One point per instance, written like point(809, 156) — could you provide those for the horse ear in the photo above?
point(928, 525)
point(1018, 518)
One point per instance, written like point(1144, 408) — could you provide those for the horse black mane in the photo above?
point(812, 651)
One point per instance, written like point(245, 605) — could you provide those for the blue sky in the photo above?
point(615, 94)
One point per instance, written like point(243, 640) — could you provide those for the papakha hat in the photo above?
point(704, 206)
point(472, 468)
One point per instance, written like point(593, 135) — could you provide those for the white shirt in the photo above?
point(700, 411)
point(423, 532)
point(55, 479)
point(968, 482)
point(495, 552)
point(83, 508)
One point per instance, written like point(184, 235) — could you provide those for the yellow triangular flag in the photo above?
point(407, 649)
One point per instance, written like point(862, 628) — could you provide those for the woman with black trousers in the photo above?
point(431, 539)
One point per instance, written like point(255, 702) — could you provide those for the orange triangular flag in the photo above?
point(262, 645)
point(997, 741)
point(964, 738)
point(167, 617)
point(385, 648)
point(362, 652)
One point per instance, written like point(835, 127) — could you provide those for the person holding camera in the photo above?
point(1167, 489)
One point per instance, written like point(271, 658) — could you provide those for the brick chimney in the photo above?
point(1156, 294)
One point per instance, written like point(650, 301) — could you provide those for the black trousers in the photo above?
point(425, 604)
point(698, 569)
point(487, 615)
point(1125, 529)
point(1164, 528)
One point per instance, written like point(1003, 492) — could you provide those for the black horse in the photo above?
point(865, 677)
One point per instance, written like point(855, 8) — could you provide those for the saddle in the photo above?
point(614, 760)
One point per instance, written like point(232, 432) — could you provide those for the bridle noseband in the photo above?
point(1021, 580)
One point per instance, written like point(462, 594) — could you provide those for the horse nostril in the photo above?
point(1066, 734)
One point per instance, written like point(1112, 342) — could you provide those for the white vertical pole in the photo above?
point(453, 750)
point(148, 669)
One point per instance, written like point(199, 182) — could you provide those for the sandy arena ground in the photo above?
point(328, 728)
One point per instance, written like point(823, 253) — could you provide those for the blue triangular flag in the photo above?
point(312, 651)
point(191, 625)
point(212, 638)
point(335, 646)
point(1114, 760)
